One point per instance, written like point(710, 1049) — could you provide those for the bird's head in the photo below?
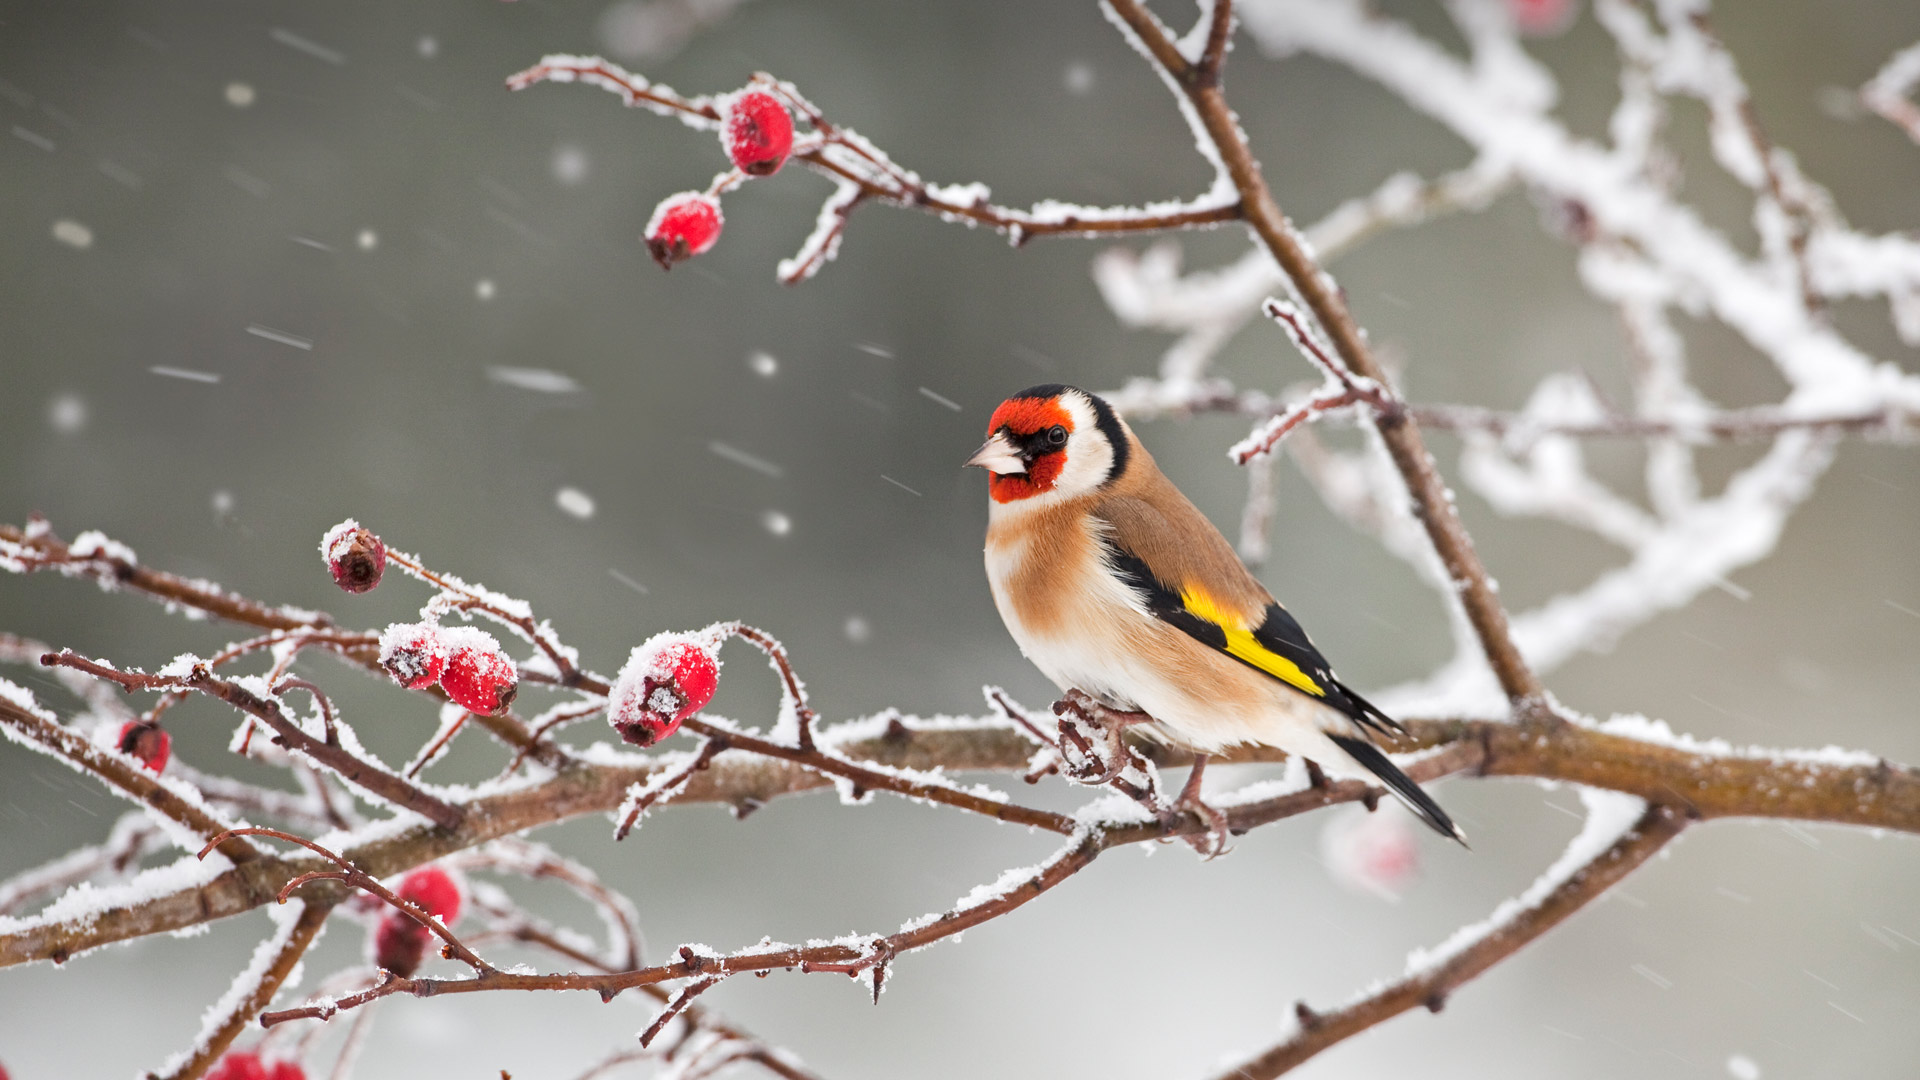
point(1051, 442)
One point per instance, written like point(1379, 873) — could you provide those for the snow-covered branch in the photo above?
point(1643, 252)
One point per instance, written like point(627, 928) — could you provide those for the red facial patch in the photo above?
point(1023, 417)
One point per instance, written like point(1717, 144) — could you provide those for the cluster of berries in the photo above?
point(757, 132)
point(400, 943)
point(667, 679)
point(466, 661)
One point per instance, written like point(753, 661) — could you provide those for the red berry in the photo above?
point(399, 944)
point(757, 132)
point(478, 676)
point(355, 557)
point(434, 889)
point(415, 654)
point(683, 226)
point(666, 680)
point(286, 1070)
point(148, 742)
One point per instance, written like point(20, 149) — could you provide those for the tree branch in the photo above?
point(1430, 987)
point(1806, 787)
point(1323, 298)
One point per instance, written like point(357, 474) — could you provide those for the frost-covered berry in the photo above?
point(400, 943)
point(479, 676)
point(148, 742)
point(415, 654)
point(666, 680)
point(355, 557)
point(757, 132)
point(246, 1065)
point(1543, 17)
point(683, 226)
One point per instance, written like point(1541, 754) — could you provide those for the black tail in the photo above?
point(1401, 785)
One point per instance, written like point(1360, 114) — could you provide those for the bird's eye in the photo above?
point(1056, 436)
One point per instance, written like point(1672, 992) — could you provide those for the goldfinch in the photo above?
point(1114, 584)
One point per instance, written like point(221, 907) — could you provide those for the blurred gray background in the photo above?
point(353, 176)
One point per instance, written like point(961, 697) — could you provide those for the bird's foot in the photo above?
point(1213, 843)
point(1093, 747)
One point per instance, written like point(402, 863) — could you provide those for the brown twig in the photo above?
point(517, 925)
point(1213, 55)
point(319, 698)
point(668, 784)
point(697, 965)
point(1341, 389)
point(354, 877)
point(441, 739)
point(1882, 795)
point(349, 767)
point(1401, 435)
point(306, 928)
point(841, 155)
point(797, 694)
point(1520, 430)
point(42, 550)
point(1430, 988)
point(676, 1005)
point(121, 773)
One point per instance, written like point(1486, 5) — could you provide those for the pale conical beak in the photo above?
point(997, 455)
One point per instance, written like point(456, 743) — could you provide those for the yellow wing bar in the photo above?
point(1243, 646)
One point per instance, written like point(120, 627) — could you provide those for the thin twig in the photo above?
point(356, 878)
point(306, 927)
point(348, 766)
point(846, 158)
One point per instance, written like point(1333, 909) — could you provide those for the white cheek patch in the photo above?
point(1089, 455)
